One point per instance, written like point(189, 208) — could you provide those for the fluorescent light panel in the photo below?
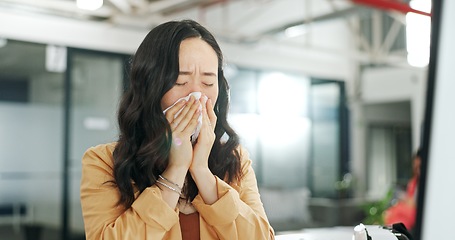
point(89, 4)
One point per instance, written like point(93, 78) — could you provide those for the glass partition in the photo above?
point(97, 81)
point(31, 141)
point(295, 130)
point(269, 111)
point(46, 125)
point(325, 147)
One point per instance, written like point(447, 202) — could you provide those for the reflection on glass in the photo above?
point(291, 128)
point(274, 125)
point(325, 147)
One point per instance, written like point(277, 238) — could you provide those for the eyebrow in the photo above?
point(204, 73)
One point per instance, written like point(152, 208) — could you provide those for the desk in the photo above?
point(334, 233)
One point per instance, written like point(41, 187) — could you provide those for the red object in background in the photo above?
point(390, 5)
point(405, 210)
point(401, 212)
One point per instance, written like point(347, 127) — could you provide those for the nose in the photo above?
point(195, 86)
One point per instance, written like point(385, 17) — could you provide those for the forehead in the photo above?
point(196, 50)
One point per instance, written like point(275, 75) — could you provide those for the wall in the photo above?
point(386, 85)
point(32, 165)
point(380, 87)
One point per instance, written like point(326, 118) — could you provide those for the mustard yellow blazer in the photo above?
point(238, 213)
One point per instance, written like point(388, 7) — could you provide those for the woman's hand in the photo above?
point(182, 126)
point(206, 137)
point(199, 169)
point(181, 153)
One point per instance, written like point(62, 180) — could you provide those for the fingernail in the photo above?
point(178, 141)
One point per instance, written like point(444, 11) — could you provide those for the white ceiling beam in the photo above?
point(354, 26)
point(158, 6)
point(376, 26)
point(390, 37)
point(123, 5)
point(138, 3)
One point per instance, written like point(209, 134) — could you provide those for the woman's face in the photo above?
point(198, 72)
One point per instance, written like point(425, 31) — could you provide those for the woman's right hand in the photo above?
point(182, 127)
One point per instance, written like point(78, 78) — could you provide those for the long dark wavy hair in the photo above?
point(142, 151)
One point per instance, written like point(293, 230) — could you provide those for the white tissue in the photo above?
point(196, 131)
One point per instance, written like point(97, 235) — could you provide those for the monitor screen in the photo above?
point(436, 196)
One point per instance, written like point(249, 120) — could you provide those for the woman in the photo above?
point(405, 210)
point(158, 181)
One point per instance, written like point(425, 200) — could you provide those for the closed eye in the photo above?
point(181, 84)
point(209, 74)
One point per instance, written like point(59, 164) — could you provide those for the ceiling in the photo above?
point(247, 22)
point(241, 20)
point(244, 20)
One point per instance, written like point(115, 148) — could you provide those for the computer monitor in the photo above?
point(436, 196)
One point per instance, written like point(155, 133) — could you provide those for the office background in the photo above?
point(360, 99)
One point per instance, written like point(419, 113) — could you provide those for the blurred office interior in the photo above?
point(328, 96)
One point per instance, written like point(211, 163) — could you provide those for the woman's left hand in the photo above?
point(206, 138)
point(199, 168)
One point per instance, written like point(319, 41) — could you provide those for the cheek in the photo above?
point(168, 99)
point(213, 95)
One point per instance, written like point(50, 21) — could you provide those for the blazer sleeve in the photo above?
point(238, 213)
point(149, 217)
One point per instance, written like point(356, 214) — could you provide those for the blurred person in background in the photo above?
point(405, 210)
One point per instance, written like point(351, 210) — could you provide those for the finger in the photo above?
point(187, 114)
point(181, 113)
point(192, 124)
point(211, 113)
point(204, 99)
point(205, 117)
point(206, 121)
point(170, 113)
point(187, 108)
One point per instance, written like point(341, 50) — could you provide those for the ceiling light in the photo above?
point(295, 31)
point(418, 31)
point(89, 4)
point(421, 5)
